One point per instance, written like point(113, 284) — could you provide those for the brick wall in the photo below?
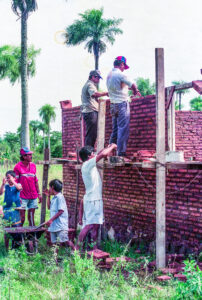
point(129, 192)
point(189, 133)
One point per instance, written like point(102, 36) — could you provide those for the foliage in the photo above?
point(20, 7)
point(47, 114)
point(94, 30)
point(38, 277)
point(192, 288)
point(10, 57)
point(56, 143)
point(196, 104)
point(179, 94)
point(145, 87)
point(9, 147)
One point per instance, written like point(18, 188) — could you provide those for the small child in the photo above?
point(11, 200)
point(58, 223)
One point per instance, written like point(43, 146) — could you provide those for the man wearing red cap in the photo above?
point(26, 175)
point(117, 85)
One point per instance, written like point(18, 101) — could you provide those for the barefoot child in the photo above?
point(58, 223)
point(11, 201)
point(91, 207)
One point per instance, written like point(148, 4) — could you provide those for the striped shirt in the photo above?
point(26, 175)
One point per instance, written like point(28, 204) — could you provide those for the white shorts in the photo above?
point(59, 236)
point(93, 212)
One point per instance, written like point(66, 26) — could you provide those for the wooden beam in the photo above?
point(170, 96)
point(101, 130)
point(183, 86)
point(160, 156)
point(77, 188)
point(44, 186)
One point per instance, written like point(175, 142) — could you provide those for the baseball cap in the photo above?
point(123, 59)
point(95, 73)
point(25, 150)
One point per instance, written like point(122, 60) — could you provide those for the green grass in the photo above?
point(38, 277)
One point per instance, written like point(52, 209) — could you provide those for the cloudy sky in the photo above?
point(174, 25)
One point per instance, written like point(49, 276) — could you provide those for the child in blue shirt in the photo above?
point(11, 200)
point(58, 223)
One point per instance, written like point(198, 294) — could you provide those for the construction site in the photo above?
point(155, 198)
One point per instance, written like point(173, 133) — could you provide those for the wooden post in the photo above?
point(173, 122)
point(77, 188)
point(160, 156)
point(101, 131)
point(101, 143)
point(44, 185)
point(82, 130)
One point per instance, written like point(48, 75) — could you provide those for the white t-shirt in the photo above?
point(117, 85)
point(92, 180)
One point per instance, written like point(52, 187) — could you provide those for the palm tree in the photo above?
point(10, 67)
point(35, 126)
point(47, 113)
point(179, 94)
point(44, 129)
point(23, 8)
point(95, 31)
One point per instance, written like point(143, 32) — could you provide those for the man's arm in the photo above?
point(105, 152)
point(135, 90)
point(47, 193)
point(49, 222)
point(98, 94)
point(38, 191)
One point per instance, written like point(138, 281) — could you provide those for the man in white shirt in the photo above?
point(91, 207)
point(117, 85)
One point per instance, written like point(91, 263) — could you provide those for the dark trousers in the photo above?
point(91, 119)
point(120, 126)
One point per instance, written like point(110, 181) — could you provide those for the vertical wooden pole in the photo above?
point(169, 124)
point(44, 185)
point(77, 187)
point(101, 143)
point(82, 130)
point(160, 155)
point(101, 130)
point(173, 122)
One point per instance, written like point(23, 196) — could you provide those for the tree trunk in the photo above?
point(34, 139)
point(25, 112)
point(44, 142)
point(97, 62)
point(49, 141)
point(96, 55)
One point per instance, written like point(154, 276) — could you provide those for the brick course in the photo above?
point(129, 201)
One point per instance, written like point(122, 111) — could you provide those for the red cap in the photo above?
point(25, 150)
point(123, 59)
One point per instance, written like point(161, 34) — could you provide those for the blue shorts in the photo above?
point(27, 204)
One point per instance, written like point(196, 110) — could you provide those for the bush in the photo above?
point(191, 289)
